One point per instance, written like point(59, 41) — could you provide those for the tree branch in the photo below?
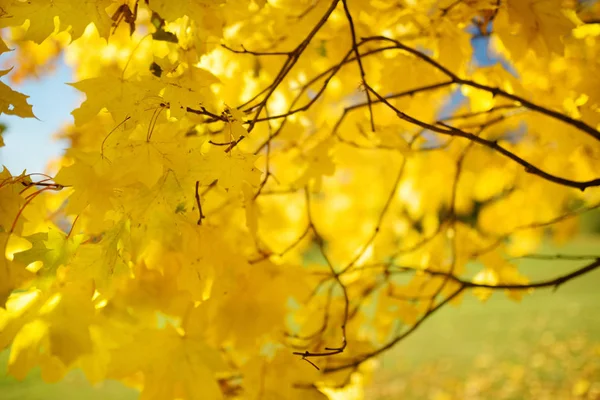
point(451, 131)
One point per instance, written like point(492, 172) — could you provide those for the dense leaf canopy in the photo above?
point(261, 197)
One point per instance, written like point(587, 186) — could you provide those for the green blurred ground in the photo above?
point(546, 347)
point(73, 387)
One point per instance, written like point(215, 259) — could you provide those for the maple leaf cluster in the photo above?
point(260, 198)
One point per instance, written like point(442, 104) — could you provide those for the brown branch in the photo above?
point(219, 143)
point(571, 214)
point(28, 200)
point(445, 10)
point(328, 75)
point(494, 90)
point(452, 216)
point(359, 60)
point(557, 257)
point(398, 95)
point(49, 185)
point(452, 131)
point(329, 351)
point(382, 213)
point(256, 53)
point(286, 249)
point(323, 327)
point(397, 339)
point(292, 59)
point(268, 172)
point(110, 133)
point(582, 126)
point(204, 111)
point(554, 283)
point(464, 284)
point(254, 109)
point(479, 113)
point(200, 214)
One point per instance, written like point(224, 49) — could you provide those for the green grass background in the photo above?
point(550, 338)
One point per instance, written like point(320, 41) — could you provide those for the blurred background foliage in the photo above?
point(545, 347)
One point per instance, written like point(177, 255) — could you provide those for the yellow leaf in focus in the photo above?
point(134, 98)
point(230, 169)
point(13, 103)
point(139, 161)
point(99, 261)
point(91, 182)
point(192, 89)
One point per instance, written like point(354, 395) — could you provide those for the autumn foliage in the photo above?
point(261, 197)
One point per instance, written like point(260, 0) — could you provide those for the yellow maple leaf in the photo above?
point(91, 180)
point(57, 337)
point(41, 13)
point(12, 102)
point(207, 15)
point(319, 163)
point(12, 274)
point(10, 201)
point(134, 98)
point(212, 267)
point(281, 376)
point(192, 89)
point(266, 289)
point(537, 25)
point(177, 366)
point(21, 308)
point(99, 261)
point(3, 47)
point(138, 161)
point(230, 169)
